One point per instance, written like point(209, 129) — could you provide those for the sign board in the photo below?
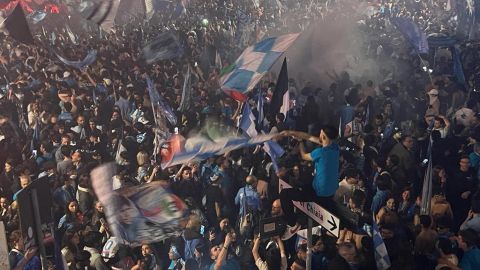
point(302, 235)
point(26, 211)
point(326, 219)
point(4, 263)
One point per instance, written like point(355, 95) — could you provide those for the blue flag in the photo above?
point(166, 46)
point(253, 64)
point(381, 254)
point(457, 66)
point(157, 101)
point(275, 151)
point(412, 32)
point(198, 148)
point(82, 64)
point(247, 121)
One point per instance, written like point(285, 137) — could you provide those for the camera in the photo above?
point(273, 226)
point(227, 229)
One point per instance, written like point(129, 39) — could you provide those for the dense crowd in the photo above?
point(59, 123)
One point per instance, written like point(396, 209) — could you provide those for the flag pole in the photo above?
point(238, 124)
point(423, 65)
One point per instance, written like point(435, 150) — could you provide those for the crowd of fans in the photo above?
point(59, 123)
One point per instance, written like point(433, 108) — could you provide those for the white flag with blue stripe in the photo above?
point(253, 64)
point(247, 121)
point(197, 149)
point(381, 254)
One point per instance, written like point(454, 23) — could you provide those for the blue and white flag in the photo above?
point(381, 254)
point(157, 100)
point(412, 32)
point(247, 124)
point(139, 214)
point(247, 121)
point(261, 114)
point(101, 12)
point(83, 64)
point(71, 35)
point(198, 148)
point(37, 16)
point(166, 46)
point(253, 64)
point(275, 151)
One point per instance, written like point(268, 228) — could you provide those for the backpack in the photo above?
point(246, 222)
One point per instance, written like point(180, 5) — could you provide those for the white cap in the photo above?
point(66, 74)
point(433, 92)
point(107, 81)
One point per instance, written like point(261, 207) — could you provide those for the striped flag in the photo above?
point(247, 121)
point(101, 12)
point(247, 124)
point(186, 93)
point(261, 115)
point(381, 254)
point(281, 97)
point(198, 148)
point(253, 64)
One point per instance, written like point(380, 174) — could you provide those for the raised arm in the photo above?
point(305, 156)
point(223, 253)
point(301, 135)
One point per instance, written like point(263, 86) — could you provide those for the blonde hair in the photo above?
point(142, 158)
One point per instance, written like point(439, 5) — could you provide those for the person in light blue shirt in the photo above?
point(326, 179)
point(247, 197)
point(467, 241)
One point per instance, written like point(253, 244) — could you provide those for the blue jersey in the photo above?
point(326, 160)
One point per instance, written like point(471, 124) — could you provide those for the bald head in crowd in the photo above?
point(251, 180)
point(276, 208)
